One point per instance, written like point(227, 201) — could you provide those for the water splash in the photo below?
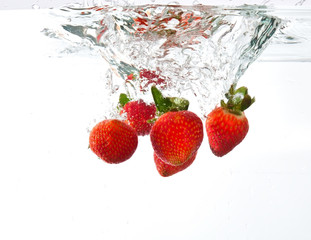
point(198, 51)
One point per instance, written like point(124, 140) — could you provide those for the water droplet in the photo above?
point(35, 6)
point(115, 88)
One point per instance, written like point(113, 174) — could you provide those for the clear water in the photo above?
point(53, 187)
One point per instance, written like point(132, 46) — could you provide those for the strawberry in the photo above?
point(227, 125)
point(146, 78)
point(113, 141)
point(166, 170)
point(138, 115)
point(176, 136)
point(151, 77)
point(178, 133)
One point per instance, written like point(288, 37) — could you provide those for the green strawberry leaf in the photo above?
point(168, 104)
point(153, 120)
point(242, 90)
point(179, 104)
point(223, 104)
point(123, 99)
point(238, 100)
point(246, 102)
point(161, 103)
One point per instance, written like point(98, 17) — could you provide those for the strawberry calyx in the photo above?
point(168, 104)
point(123, 99)
point(238, 100)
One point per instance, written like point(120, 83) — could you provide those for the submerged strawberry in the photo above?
point(166, 170)
point(113, 141)
point(151, 77)
point(147, 78)
point(227, 126)
point(176, 136)
point(138, 115)
point(178, 133)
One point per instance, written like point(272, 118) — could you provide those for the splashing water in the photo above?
point(195, 52)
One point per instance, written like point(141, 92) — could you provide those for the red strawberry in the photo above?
point(147, 78)
point(227, 126)
point(176, 136)
point(113, 141)
point(150, 77)
point(167, 170)
point(138, 113)
point(225, 130)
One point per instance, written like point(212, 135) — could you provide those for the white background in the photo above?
point(53, 187)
